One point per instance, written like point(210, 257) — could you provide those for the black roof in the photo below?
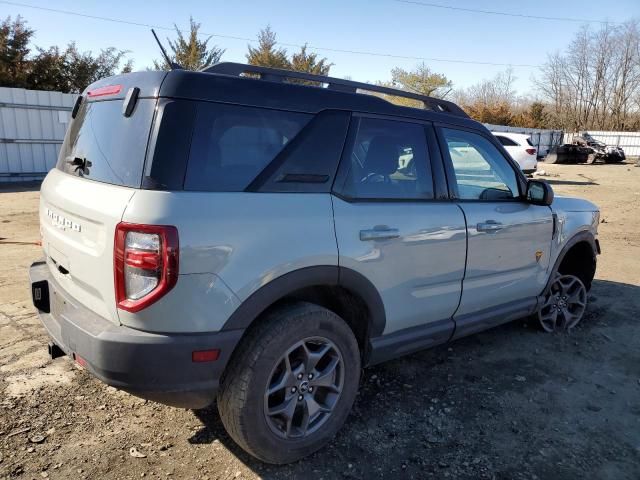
point(223, 83)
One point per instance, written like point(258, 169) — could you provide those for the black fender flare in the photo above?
point(583, 236)
point(322, 275)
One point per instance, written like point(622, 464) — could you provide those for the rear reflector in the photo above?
point(79, 360)
point(104, 91)
point(205, 355)
point(531, 151)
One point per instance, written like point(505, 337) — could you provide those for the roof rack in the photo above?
point(279, 75)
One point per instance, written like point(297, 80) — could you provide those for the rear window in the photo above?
point(507, 142)
point(231, 144)
point(102, 144)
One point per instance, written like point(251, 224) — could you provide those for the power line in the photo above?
point(251, 40)
point(504, 14)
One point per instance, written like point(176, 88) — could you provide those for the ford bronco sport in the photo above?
point(256, 236)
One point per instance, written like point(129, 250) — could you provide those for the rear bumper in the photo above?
point(154, 366)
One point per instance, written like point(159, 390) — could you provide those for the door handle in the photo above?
point(379, 234)
point(490, 226)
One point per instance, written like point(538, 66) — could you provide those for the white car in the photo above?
point(519, 146)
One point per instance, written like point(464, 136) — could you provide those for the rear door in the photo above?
point(508, 239)
point(83, 198)
point(391, 229)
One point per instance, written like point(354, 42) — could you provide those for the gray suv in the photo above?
point(257, 236)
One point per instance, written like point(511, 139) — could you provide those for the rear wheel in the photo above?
point(291, 384)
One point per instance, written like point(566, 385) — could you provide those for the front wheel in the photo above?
point(291, 384)
point(564, 304)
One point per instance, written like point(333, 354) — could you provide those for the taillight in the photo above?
point(145, 264)
point(531, 151)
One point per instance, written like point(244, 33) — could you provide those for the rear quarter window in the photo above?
point(232, 144)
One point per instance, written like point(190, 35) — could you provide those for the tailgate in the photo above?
point(77, 222)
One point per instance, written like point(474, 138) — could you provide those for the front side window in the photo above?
point(231, 144)
point(388, 160)
point(481, 172)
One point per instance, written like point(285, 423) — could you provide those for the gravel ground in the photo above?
point(510, 403)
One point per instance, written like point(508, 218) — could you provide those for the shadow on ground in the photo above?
point(512, 402)
point(15, 187)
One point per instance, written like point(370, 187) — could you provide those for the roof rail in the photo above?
point(279, 75)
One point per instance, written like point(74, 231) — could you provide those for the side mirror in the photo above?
point(539, 192)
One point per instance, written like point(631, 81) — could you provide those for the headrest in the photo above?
point(382, 155)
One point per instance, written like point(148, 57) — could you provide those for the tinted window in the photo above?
point(482, 173)
point(233, 144)
point(507, 142)
point(309, 162)
point(387, 160)
point(102, 144)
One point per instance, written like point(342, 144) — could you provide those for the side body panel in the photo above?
point(231, 244)
point(418, 273)
point(574, 216)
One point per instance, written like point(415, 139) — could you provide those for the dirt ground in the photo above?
point(510, 403)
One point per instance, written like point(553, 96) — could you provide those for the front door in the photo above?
point(509, 240)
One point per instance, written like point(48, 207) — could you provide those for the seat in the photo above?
point(381, 162)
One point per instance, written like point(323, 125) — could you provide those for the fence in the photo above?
point(629, 141)
point(32, 127)
point(543, 140)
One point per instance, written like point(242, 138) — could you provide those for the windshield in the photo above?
point(102, 144)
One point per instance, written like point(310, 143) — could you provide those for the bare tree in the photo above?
point(595, 84)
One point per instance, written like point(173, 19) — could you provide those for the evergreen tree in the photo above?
point(71, 70)
point(190, 52)
point(267, 54)
point(14, 51)
point(420, 80)
point(309, 62)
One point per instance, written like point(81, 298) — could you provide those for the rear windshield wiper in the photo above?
point(81, 164)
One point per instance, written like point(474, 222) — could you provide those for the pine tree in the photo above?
point(14, 51)
point(309, 63)
point(421, 80)
point(191, 53)
point(266, 54)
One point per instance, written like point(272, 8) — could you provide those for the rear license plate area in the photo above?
point(40, 296)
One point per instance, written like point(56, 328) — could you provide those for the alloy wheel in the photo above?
point(304, 387)
point(564, 305)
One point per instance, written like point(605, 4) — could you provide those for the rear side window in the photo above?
point(231, 144)
point(387, 159)
point(507, 142)
point(102, 144)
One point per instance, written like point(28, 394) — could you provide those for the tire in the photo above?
point(297, 331)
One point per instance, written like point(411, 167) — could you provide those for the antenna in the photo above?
point(173, 65)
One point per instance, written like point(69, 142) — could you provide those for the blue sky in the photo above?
point(384, 26)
